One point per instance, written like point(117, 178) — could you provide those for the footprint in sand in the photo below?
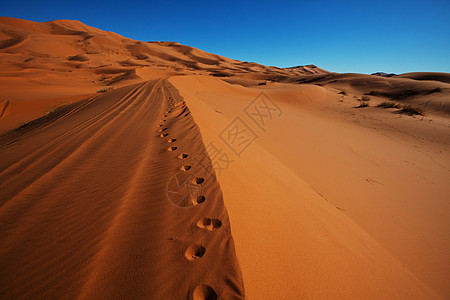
point(198, 180)
point(185, 167)
point(198, 200)
point(164, 134)
point(204, 292)
point(195, 252)
point(182, 156)
point(173, 148)
point(209, 224)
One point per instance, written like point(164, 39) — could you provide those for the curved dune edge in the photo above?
point(108, 201)
point(291, 243)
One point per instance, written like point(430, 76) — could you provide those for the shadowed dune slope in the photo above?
point(99, 202)
point(322, 197)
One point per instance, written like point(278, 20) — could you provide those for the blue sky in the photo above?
point(341, 36)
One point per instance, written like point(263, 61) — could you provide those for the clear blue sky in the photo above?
point(341, 36)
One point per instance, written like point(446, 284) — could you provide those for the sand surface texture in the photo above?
point(154, 170)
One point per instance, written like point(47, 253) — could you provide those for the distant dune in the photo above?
point(428, 91)
point(154, 170)
point(429, 76)
point(80, 59)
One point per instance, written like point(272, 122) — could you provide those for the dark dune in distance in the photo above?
point(429, 76)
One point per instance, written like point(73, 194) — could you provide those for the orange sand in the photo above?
point(113, 195)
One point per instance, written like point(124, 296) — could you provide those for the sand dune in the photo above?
point(429, 92)
point(347, 166)
point(87, 238)
point(429, 76)
point(93, 58)
point(154, 170)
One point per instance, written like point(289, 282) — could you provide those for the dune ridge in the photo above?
point(3, 107)
point(85, 59)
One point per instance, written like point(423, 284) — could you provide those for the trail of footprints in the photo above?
point(193, 252)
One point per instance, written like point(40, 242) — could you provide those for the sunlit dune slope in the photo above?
point(328, 197)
